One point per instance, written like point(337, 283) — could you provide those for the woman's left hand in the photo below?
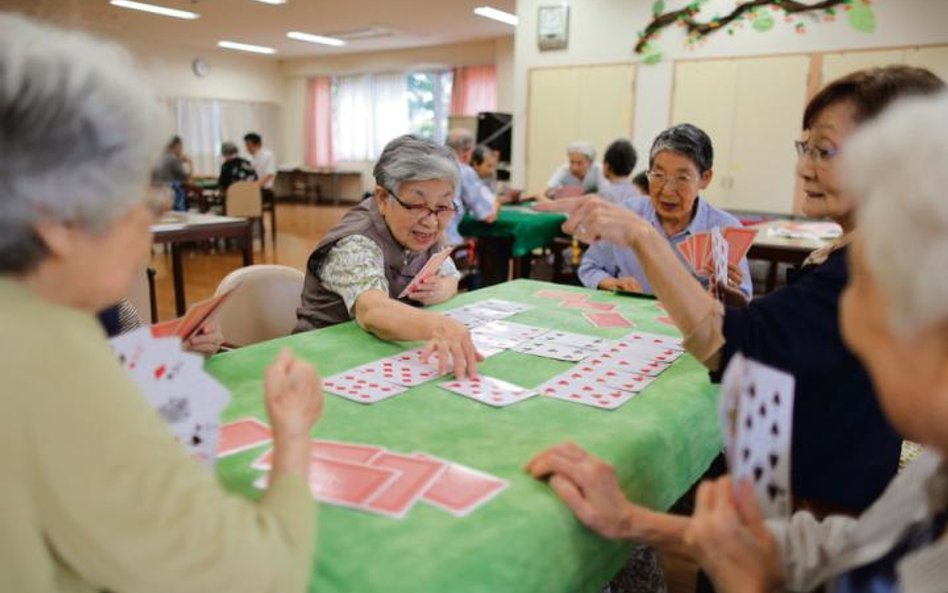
point(435, 289)
point(729, 540)
point(206, 340)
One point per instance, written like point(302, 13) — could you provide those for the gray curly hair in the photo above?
point(413, 158)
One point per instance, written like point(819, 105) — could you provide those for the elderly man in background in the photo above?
point(474, 197)
point(234, 168)
point(99, 496)
point(581, 175)
point(360, 268)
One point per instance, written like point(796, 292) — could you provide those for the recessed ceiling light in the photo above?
point(173, 12)
point(498, 15)
point(257, 49)
point(315, 38)
point(272, 1)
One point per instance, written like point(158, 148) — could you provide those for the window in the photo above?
point(429, 100)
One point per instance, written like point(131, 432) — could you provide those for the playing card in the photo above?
point(466, 317)
point(347, 484)
point(702, 252)
point(591, 305)
point(666, 321)
point(615, 379)
point(558, 294)
point(608, 319)
point(199, 313)
point(460, 490)
point(739, 241)
point(510, 307)
point(640, 351)
point(553, 350)
point(485, 311)
point(569, 191)
point(404, 369)
point(507, 330)
point(626, 364)
point(415, 476)
point(241, 435)
point(489, 390)
point(361, 388)
point(719, 260)
point(760, 449)
point(655, 339)
point(429, 269)
point(487, 345)
point(353, 452)
point(575, 340)
point(585, 391)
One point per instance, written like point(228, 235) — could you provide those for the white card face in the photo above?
point(574, 340)
point(403, 369)
point(506, 306)
point(761, 450)
point(627, 364)
point(487, 312)
point(654, 339)
point(586, 392)
point(489, 390)
point(467, 318)
point(361, 388)
point(642, 351)
point(508, 330)
point(553, 350)
point(487, 346)
point(719, 253)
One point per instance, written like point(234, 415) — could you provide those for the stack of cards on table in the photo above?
point(176, 386)
point(616, 372)
point(560, 345)
point(698, 249)
point(757, 422)
point(598, 314)
point(384, 482)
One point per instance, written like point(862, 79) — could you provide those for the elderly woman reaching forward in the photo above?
point(96, 494)
point(363, 264)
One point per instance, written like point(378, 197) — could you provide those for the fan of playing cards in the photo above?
point(757, 421)
point(709, 253)
point(176, 386)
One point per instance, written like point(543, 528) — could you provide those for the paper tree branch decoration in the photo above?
point(859, 12)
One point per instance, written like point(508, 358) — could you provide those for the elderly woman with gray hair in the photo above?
point(363, 264)
point(581, 173)
point(96, 494)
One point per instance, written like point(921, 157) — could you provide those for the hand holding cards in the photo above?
point(430, 268)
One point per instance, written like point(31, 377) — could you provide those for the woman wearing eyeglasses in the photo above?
point(844, 450)
point(361, 266)
point(680, 167)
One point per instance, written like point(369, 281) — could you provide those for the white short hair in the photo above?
point(582, 147)
point(79, 133)
point(897, 168)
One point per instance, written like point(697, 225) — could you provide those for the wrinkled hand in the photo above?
point(729, 540)
point(625, 284)
point(587, 485)
point(434, 289)
point(206, 340)
point(451, 344)
point(294, 396)
point(592, 219)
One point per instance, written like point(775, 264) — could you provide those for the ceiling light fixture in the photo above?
point(172, 12)
point(315, 38)
point(498, 15)
point(257, 49)
point(272, 1)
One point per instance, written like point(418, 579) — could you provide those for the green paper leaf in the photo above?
point(658, 7)
point(862, 18)
point(653, 57)
point(764, 22)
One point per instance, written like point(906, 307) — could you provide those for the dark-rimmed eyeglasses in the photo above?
point(816, 155)
point(421, 211)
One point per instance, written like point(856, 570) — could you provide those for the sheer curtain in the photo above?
point(475, 90)
point(368, 111)
point(319, 122)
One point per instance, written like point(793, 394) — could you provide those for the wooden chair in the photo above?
point(264, 307)
point(245, 199)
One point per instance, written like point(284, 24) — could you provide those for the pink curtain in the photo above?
point(319, 122)
point(474, 90)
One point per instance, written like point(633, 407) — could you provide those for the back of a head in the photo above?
point(78, 132)
point(229, 148)
point(460, 139)
point(414, 158)
point(871, 90)
point(686, 139)
point(481, 153)
point(621, 157)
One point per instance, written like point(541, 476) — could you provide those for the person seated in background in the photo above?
point(894, 316)
point(174, 170)
point(359, 269)
point(581, 174)
point(640, 182)
point(474, 197)
point(617, 165)
point(680, 167)
point(99, 495)
point(484, 162)
point(234, 168)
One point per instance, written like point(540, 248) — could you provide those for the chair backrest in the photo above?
point(265, 305)
point(244, 199)
point(141, 296)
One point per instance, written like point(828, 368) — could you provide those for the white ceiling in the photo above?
point(413, 23)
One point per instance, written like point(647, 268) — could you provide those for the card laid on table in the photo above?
point(510, 307)
point(650, 368)
point(656, 339)
point(241, 435)
point(415, 476)
point(361, 388)
point(430, 268)
point(590, 305)
point(353, 452)
point(575, 340)
point(467, 317)
point(760, 440)
point(404, 369)
point(461, 490)
point(553, 350)
point(517, 332)
point(347, 484)
point(557, 295)
point(608, 319)
point(586, 391)
point(488, 346)
point(489, 390)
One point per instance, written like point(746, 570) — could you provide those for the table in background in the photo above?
point(777, 250)
point(179, 227)
point(525, 539)
point(312, 184)
point(518, 231)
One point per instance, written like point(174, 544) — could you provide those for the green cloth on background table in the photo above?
point(525, 539)
point(528, 228)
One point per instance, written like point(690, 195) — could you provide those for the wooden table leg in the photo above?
point(177, 274)
point(248, 243)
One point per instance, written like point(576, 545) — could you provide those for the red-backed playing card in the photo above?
point(575, 304)
point(430, 268)
point(347, 484)
point(353, 452)
point(241, 435)
point(739, 240)
point(416, 475)
point(460, 490)
point(608, 319)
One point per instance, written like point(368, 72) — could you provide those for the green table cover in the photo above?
point(525, 539)
point(528, 228)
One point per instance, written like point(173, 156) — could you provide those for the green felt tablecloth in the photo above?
point(525, 539)
point(528, 228)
